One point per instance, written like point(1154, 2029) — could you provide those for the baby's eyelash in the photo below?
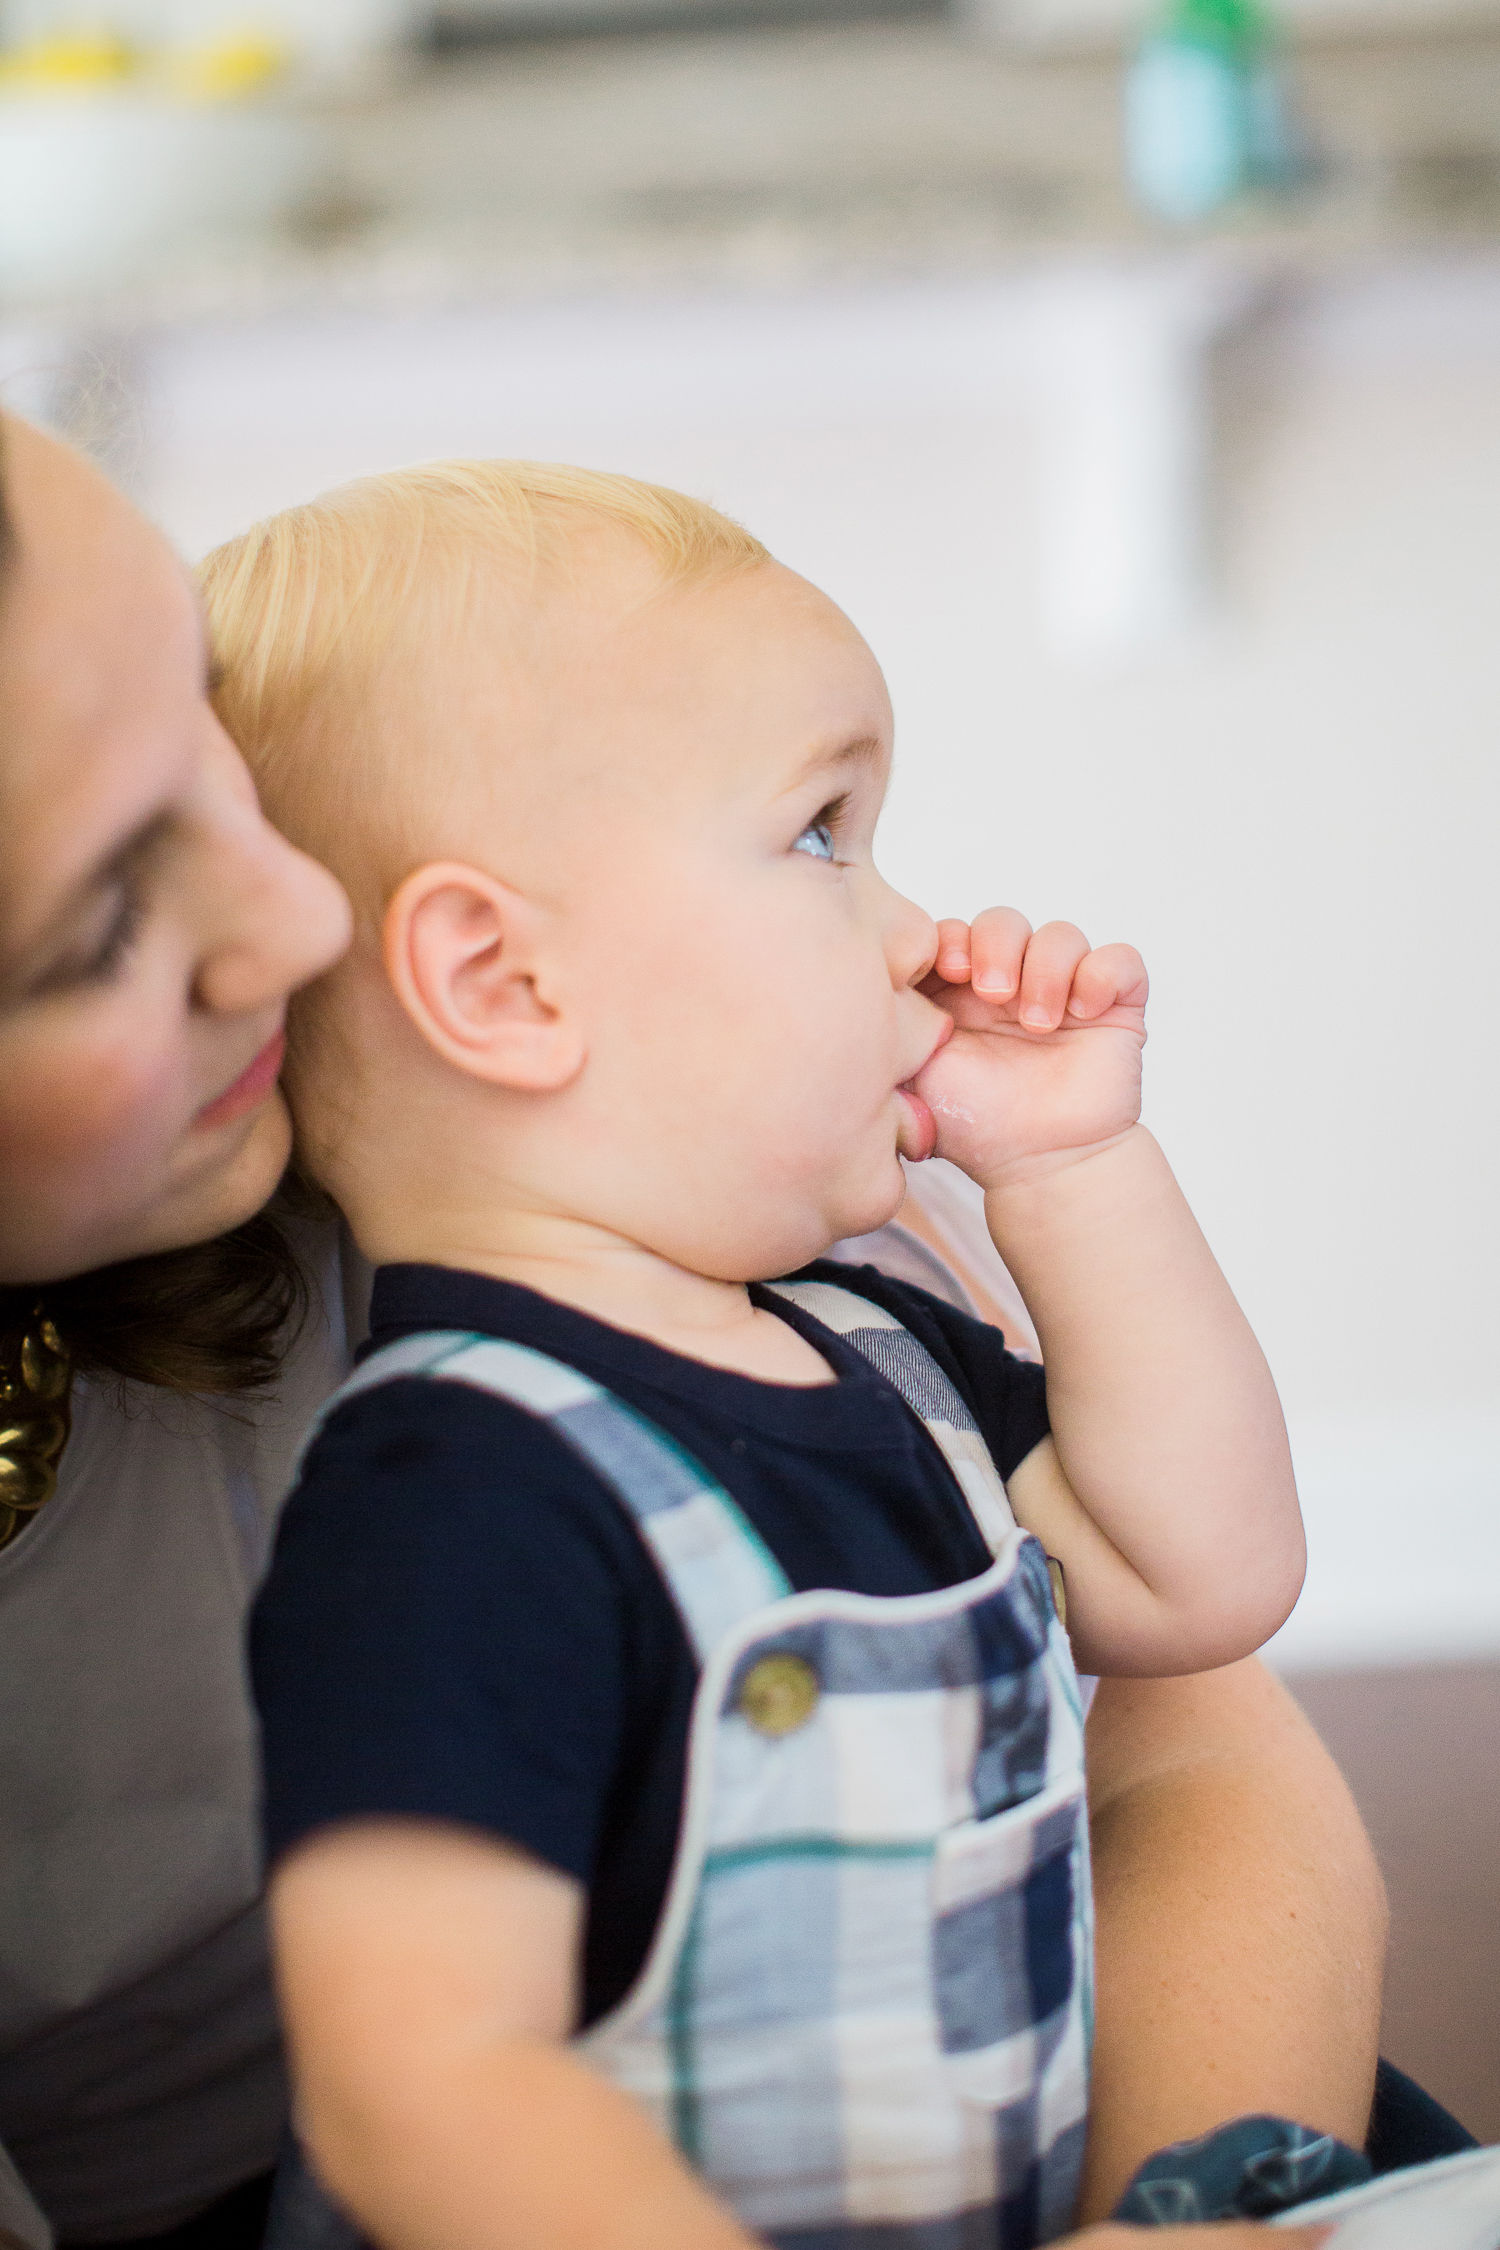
point(826, 823)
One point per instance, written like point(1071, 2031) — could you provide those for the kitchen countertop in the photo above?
point(779, 156)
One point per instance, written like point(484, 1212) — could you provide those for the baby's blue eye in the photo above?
point(816, 840)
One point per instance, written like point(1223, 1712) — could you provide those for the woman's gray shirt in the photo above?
point(140, 2073)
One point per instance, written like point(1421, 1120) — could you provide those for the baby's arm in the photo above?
point(1166, 1489)
point(426, 1976)
point(427, 1979)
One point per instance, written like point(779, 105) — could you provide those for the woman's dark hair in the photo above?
point(216, 1316)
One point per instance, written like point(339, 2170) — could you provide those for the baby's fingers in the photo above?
point(1113, 976)
point(997, 948)
point(953, 952)
point(1047, 974)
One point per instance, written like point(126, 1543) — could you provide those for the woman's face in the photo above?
point(152, 924)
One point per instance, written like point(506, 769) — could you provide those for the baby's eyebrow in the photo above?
point(864, 750)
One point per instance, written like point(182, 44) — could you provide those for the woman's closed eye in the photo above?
point(124, 929)
point(95, 959)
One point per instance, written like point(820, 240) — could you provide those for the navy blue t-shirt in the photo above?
point(461, 1621)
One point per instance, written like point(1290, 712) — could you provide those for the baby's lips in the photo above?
point(942, 1032)
point(919, 1130)
point(917, 1137)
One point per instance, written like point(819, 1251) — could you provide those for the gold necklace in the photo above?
point(36, 1380)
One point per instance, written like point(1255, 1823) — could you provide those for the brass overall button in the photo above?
point(779, 1694)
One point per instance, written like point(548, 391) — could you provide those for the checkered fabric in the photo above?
point(866, 2015)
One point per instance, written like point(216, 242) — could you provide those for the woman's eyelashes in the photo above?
point(124, 928)
point(96, 961)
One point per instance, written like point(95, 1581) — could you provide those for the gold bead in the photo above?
point(42, 1433)
point(49, 1431)
point(44, 1364)
point(35, 1378)
point(25, 1480)
point(779, 1694)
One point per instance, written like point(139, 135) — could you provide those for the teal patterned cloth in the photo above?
point(1250, 2169)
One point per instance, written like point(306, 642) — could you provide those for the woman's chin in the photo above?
point(238, 1179)
point(253, 1177)
point(217, 1193)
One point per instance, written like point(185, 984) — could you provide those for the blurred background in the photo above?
point(1134, 382)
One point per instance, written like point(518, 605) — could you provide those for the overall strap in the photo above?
point(894, 1352)
point(717, 1567)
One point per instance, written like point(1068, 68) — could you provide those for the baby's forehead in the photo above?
point(605, 611)
point(598, 676)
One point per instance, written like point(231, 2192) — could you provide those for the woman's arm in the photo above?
point(1241, 1918)
point(1241, 1921)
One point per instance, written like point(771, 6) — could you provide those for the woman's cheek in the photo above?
point(92, 1120)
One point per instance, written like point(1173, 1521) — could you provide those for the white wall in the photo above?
point(1294, 814)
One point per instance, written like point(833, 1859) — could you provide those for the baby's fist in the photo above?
point(1046, 1052)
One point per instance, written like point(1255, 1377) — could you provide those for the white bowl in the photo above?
point(95, 186)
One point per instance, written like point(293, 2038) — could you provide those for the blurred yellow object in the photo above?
point(225, 68)
point(76, 59)
point(219, 70)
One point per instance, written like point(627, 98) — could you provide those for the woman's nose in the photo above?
point(289, 922)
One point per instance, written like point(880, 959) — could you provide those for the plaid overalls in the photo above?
point(866, 2014)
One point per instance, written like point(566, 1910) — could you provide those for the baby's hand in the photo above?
point(1046, 1050)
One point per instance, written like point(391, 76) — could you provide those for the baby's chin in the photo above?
point(845, 1208)
point(866, 1212)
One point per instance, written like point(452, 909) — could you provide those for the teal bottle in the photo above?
point(1205, 116)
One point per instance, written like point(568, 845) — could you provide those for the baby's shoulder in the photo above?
point(422, 1464)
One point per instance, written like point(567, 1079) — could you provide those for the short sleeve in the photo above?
point(443, 1632)
point(1007, 1396)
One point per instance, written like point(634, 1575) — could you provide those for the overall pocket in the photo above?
point(1008, 1932)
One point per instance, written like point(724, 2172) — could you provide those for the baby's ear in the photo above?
point(466, 957)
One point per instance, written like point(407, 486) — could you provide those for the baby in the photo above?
point(674, 1753)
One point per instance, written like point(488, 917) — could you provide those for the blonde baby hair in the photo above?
point(315, 613)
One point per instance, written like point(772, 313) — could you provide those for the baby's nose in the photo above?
point(912, 943)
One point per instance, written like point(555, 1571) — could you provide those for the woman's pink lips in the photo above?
point(250, 1088)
